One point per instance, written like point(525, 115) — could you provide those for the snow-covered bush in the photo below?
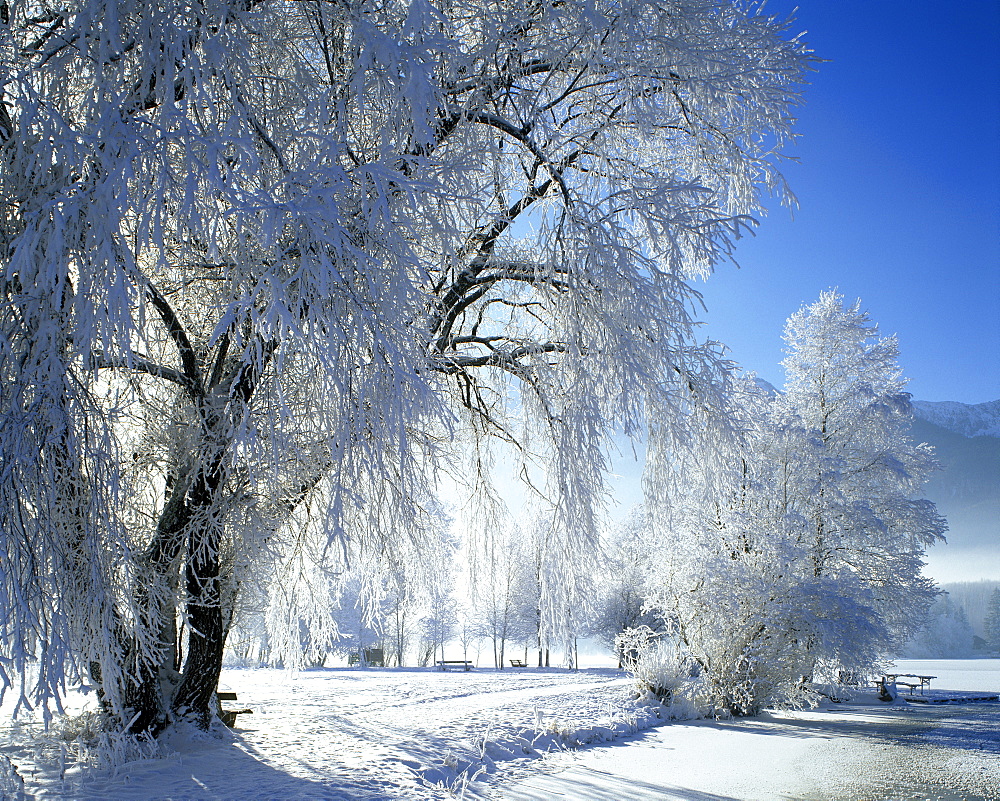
point(11, 782)
point(661, 668)
point(85, 740)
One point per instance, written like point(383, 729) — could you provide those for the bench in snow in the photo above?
point(444, 663)
point(228, 716)
point(517, 663)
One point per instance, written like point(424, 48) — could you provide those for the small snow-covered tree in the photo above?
point(723, 575)
point(360, 629)
point(558, 589)
point(499, 589)
point(622, 583)
point(945, 634)
point(440, 606)
point(401, 610)
point(257, 268)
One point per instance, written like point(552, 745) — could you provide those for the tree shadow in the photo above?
point(212, 768)
point(602, 786)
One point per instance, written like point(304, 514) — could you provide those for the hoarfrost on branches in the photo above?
point(793, 544)
point(259, 271)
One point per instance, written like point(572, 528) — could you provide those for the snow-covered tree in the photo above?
point(440, 606)
point(499, 589)
point(945, 634)
point(401, 610)
point(856, 482)
point(792, 541)
point(257, 269)
point(558, 586)
point(723, 576)
point(622, 582)
point(360, 629)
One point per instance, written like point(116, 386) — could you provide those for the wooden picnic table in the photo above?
point(920, 683)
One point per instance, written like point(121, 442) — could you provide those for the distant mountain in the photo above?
point(969, 420)
point(966, 440)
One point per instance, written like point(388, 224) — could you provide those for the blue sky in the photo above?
point(899, 192)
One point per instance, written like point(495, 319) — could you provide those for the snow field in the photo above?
point(361, 735)
point(861, 750)
point(966, 675)
point(364, 734)
point(849, 754)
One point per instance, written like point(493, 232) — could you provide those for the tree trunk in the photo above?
point(156, 602)
point(207, 636)
point(207, 628)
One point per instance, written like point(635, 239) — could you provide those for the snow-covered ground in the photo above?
point(860, 750)
point(538, 734)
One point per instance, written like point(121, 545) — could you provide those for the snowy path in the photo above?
point(406, 723)
point(848, 753)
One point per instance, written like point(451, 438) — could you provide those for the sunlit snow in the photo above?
point(540, 734)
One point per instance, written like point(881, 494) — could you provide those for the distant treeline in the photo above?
point(973, 597)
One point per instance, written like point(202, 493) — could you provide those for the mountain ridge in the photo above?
point(966, 441)
point(968, 419)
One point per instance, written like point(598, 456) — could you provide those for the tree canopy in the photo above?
point(264, 263)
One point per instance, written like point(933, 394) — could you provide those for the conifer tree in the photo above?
point(992, 622)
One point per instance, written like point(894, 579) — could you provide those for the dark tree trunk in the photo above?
point(206, 625)
point(144, 698)
point(206, 638)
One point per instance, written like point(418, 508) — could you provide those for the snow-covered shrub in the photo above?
point(660, 667)
point(755, 672)
point(85, 740)
point(11, 783)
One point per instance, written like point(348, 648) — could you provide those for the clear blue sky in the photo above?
point(899, 192)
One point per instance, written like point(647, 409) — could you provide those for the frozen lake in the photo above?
point(970, 675)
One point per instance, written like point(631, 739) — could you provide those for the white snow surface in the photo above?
point(537, 734)
point(969, 420)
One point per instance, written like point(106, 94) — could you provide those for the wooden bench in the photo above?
point(443, 663)
point(228, 716)
point(517, 663)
